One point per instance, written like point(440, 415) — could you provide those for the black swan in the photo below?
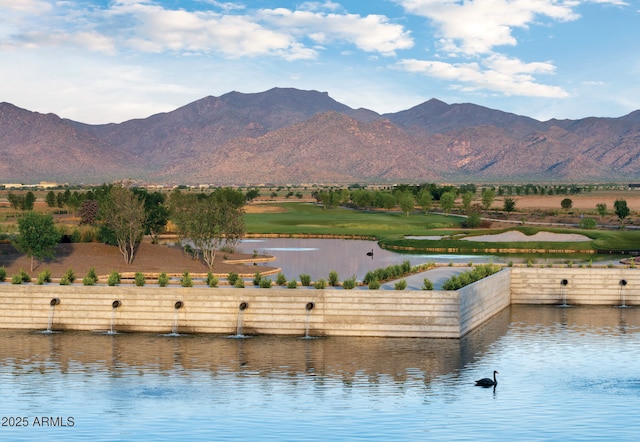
point(370, 253)
point(488, 382)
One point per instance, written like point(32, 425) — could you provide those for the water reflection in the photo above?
point(317, 257)
point(566, 374)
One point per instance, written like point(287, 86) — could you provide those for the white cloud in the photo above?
point(26, 6)
point(497, 73)
point(372, 33)
point(477, 26)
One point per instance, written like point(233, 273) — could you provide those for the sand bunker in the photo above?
point(517, 236)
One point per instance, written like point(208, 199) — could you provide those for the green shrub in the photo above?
point(305, 280)
point(3, 274)
point(44, 276)
point(281, 279)
point(88, 280)
point(16, 278)
point(349, 284)
point(139, 279)
point(91, 274)
point(185, 279)
point(400, 285)
point(239, 284)
point(113, 279)
point(333, 278)
point(25, 276)
point(64, 280)
point(212, 280)
point(232, 277)
point(320, 284)
point(163, 279)
point(374, 284)
point(293, 284)
point(427, 284)
point(256, 279)
point(70, 275)
point(265, 283)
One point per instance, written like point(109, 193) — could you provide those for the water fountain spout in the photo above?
point(114, 305)
point(241, 308)
point(177, 306)
point(563, 292)
point(52, 308)
point(310, 306)
point(622, 283)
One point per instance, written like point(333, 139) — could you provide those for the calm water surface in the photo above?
point(565, 374)
point(317, 257)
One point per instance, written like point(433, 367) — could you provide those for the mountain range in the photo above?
point(291, 136)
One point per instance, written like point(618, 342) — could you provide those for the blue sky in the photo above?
point(109, 61)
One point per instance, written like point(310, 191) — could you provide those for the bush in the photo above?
point(232, 277)
point(374, 284)
point(265, 283)
point(239, 284)
point(305, 280)
point(185, 279)
point(163, 279)
point(88, 280)
point(44, 276)
point(91, 274)
point(320, 284)
point(400, 285)
point(333, 278)
point(469, 277)
point(293, 284)
point(70, 275)
point(139, 279)
point(113, 279)
point(25, 276)
point(212, 280)
point(256, 279)
point(349, 284)
point(3, 274)
point(16, 278)
point(64, 280)
point(281, 279)
point(427, 284)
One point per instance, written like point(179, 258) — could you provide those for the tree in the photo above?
point(509, 205)
point(38, 236)
point(488, 196)
point(447, 200)
point(124, 215)
point(467, 199)
point(566, 203)
point(157, 213)
point(425, 200)
point(209, 221)
point(406, 201)
point(621, 210)
point(88, 212)
point(51, 199)
point(602, 210)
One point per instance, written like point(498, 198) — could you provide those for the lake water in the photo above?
point(568, 374)
point(317, 257)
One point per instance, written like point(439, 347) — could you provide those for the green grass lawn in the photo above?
point(390, 229)
point(306, 218)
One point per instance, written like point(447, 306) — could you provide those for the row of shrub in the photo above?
point(376, 277)
point(114, 278)
point(456, 282)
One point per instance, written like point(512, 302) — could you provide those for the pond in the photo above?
point(564, 374)
point(317, 257)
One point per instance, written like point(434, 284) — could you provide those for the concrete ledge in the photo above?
point(334, 312)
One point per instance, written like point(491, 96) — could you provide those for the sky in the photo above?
point(98, 61)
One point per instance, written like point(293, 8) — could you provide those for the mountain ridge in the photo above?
point(291, 136)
